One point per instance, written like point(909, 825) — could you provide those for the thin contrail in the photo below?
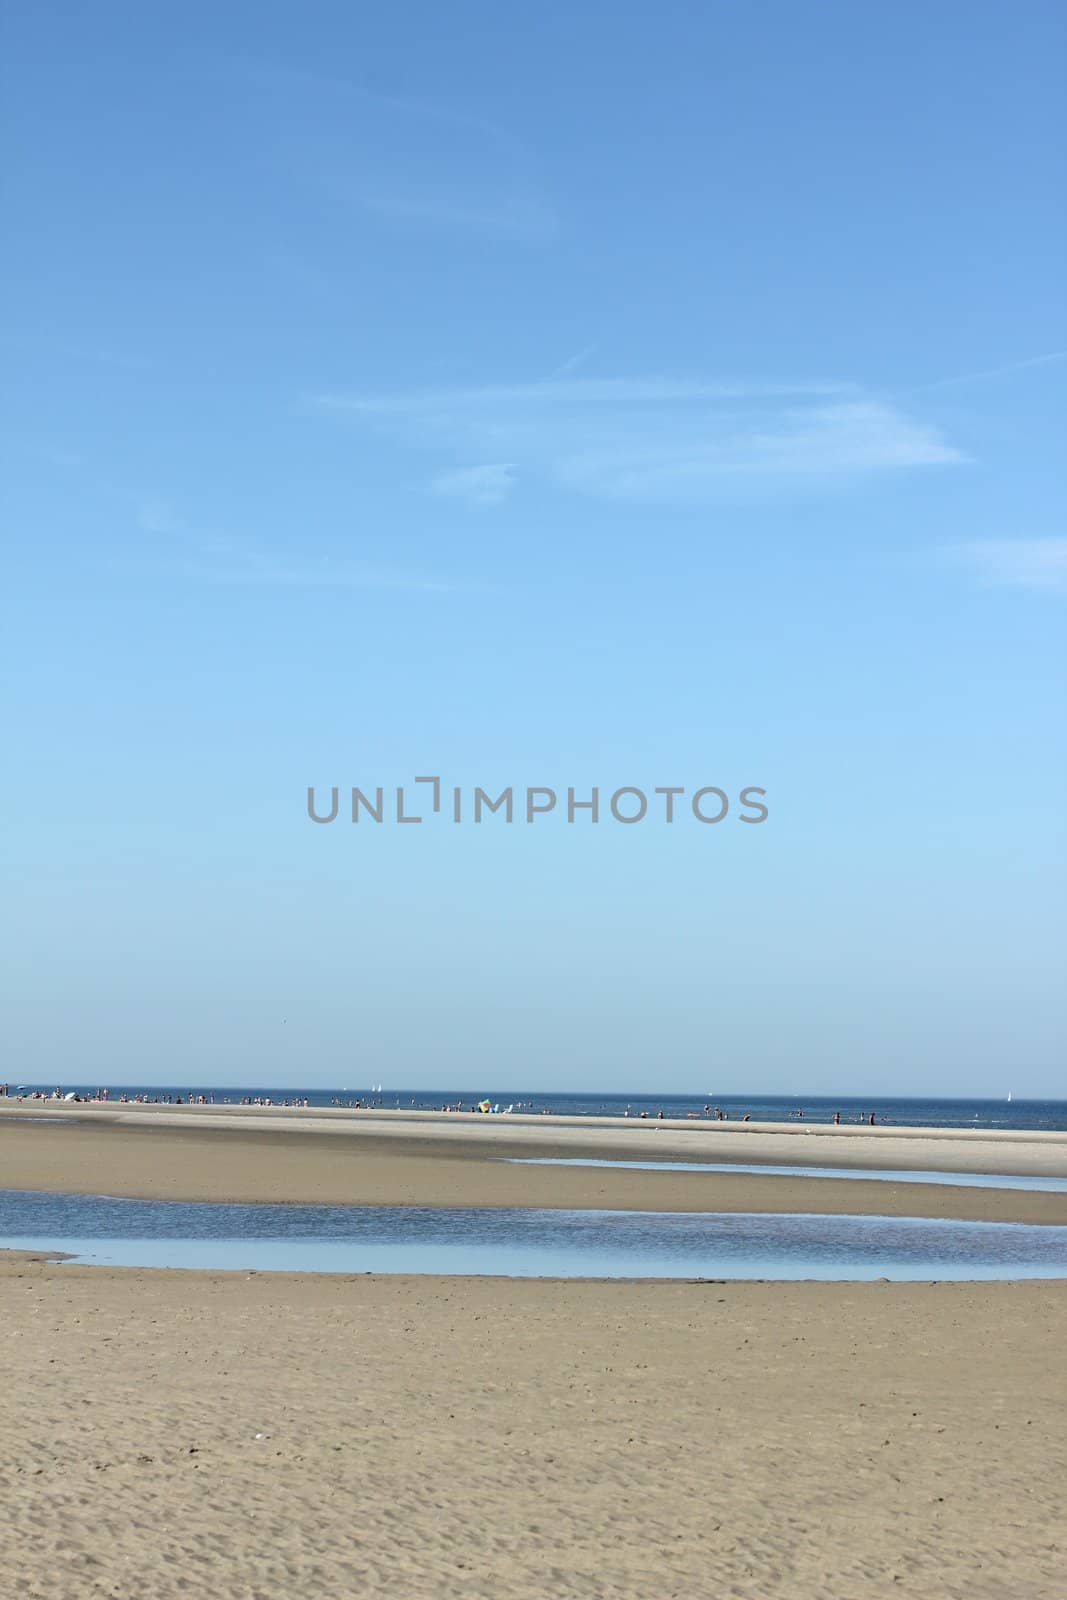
point(571, 364)
point(992, 372)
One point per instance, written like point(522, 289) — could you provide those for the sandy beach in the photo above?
point(262, 1437)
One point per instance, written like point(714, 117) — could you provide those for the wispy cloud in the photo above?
point(1017, 563)
point(522, 218)
point(993, 372)
point(578, 392)
point(657, 439)
point(485, 485)
point(409, 162)
point(327, 574)
point(282, 78)
point(157, 516)
point(224, 559)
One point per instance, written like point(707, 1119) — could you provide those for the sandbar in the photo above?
point(344, 1158)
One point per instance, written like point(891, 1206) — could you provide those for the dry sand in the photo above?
point(270, 1437)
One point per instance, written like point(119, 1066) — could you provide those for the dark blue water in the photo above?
point(1022, 1115)
point(524, 1243)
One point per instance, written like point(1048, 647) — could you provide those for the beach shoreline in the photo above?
point(517, 1124)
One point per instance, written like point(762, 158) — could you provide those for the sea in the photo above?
point(1021, 1115)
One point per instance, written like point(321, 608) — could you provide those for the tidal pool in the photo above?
point(523, 1243)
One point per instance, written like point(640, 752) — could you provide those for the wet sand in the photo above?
point(238, 1154)
point(268, 1436)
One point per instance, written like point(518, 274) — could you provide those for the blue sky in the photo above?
point(584, 395)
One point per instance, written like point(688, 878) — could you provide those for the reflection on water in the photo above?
point(523, 1243)
point(977, 1180)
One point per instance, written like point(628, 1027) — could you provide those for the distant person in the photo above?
point(871, 1119)
point(837, 1119)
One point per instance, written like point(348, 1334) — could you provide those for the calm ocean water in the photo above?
point(928, 1113)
